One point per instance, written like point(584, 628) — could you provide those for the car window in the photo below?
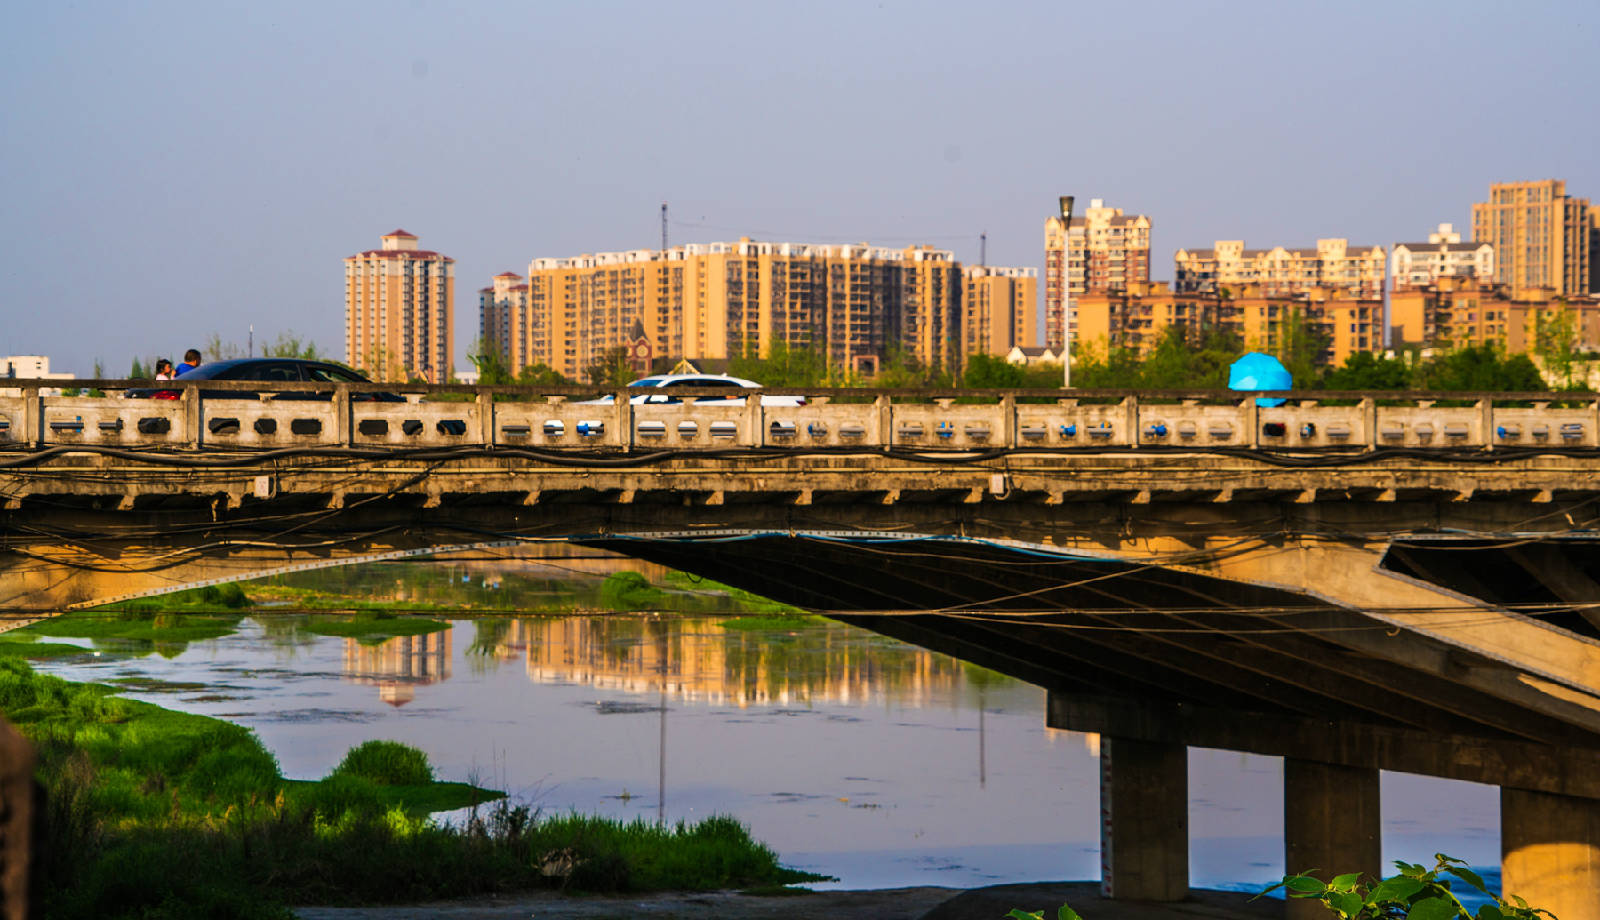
point(332, 374)
point(239, 372)
point(277, 372)
point(703, 382)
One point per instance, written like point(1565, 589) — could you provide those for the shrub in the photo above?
point(629, 591)
point(387, 763)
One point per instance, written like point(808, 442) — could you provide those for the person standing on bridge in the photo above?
point(164, 369)
point(191, 360)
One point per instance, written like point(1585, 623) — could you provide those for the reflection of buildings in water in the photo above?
point(399, 665)
point(728, 666)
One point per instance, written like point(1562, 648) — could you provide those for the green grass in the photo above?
point(154, 814)
point(753, 603)
point(372, 628)
point(136, 628)
point(24, 646)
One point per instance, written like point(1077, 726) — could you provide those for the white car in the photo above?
point(589, 428)
point(704, 381)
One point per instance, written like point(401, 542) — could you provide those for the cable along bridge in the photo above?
point(1356, 582)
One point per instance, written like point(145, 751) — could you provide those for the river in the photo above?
point(850, 754)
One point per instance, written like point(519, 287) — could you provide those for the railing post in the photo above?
point(1130, 417)
point(624, 420)
point(342, 413)
point(885, 421)
point(1486, 422)
point(32, 418)
point(755, 420)
point(1252, 422)
point(1369, 421)
point(192, 423)
point(1008, 421)
point(486, 430)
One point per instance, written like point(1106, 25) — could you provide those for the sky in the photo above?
point(173, 170)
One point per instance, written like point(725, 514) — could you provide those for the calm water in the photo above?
point(850, 754)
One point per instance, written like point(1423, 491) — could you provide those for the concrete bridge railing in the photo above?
point(212, 415)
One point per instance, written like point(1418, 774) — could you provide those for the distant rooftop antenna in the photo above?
point(983, 248)
point(663, 228)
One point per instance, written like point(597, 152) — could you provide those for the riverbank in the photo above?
point(923, 903)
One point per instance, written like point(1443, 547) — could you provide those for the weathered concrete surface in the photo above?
point(1550, 852)
point(1144, 820)
point(1332, 823)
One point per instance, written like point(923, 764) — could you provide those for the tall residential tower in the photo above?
point(1540, 235)
point(1101, 251)
point(399, 310)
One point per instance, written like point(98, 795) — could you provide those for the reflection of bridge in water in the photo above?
point(1352, 587)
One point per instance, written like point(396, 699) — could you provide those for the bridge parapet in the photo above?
point(250, 415)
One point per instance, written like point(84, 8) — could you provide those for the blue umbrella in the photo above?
point(1257, 371)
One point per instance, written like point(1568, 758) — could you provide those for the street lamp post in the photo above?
point(1066, 292)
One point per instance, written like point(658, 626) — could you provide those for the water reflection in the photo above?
point(400, 665)
point(849, 753)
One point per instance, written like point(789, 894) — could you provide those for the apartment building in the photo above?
point(505, 324)
point(1463, 312)
point(717, 300)
point(1104, 250)
point(999, 309)
point(1333, 263)
point(400, 310)
point(1414, 265)
point(1540, 234)
point(1137, 318)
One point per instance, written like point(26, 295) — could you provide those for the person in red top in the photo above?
point(191, 360)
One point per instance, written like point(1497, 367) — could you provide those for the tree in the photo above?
point(215, 349)
point(1480, 368)
point(901, 369)
point(288, 344)
point(1301, 344)
point(989, 372)
point(490, 362)
point(611, 369)
point(1555, 341)
point(784, 366)
point(137, 371)
point(1364, 370)
point(541, 375)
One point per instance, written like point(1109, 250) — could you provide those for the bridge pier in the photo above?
point(1550, 851)
point(1144, 820)
point(1332, 823)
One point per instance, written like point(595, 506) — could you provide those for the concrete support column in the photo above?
point(1550, 851)
point(1144, 820)
point(1332, 823)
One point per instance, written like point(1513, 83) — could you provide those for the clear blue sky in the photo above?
point(176, 169)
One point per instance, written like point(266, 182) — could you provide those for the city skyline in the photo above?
point(180, 150)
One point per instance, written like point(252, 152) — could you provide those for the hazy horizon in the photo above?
point(202, 168)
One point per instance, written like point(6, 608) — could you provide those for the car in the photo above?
point(699, 381)
point(269, 369)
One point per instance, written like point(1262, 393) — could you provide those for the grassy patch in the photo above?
point(143, 631)
point(152, 814)
point(371, 628)
point(628, 590)
point(754, 603)
point(26, 647)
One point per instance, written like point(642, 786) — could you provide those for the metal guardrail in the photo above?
point(206, 415)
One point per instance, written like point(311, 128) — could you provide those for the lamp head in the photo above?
point(1066, 207)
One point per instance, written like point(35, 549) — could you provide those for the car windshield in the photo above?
point(702, 382)
point(258, 371)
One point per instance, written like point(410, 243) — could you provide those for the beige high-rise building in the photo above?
point(1540, 235)
point(400, 310)
point(504, 321)
point(999, 310)
point(1334, 263)
point(718, 300)
point(1101, 251)
point(1442, 256)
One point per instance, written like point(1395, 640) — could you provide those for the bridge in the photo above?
point(1356, 583)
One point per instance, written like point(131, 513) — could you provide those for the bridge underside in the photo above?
point(1336, 621)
